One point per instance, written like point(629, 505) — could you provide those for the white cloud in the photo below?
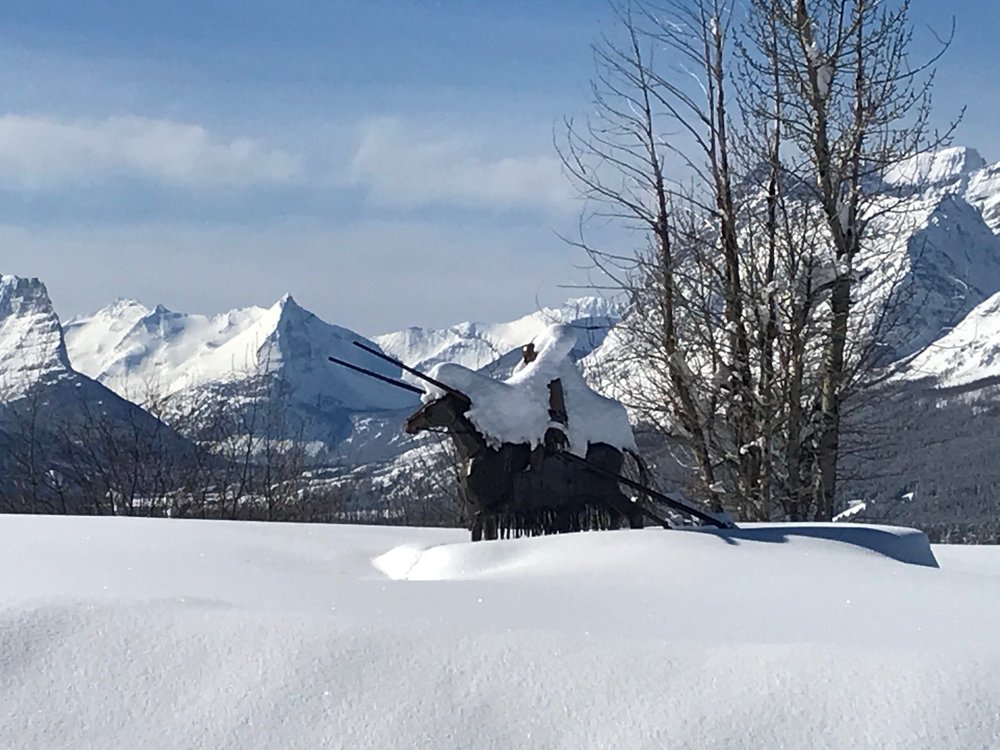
point(405, 167)
point(39, 153)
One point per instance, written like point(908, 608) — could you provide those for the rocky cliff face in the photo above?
point(32, 348)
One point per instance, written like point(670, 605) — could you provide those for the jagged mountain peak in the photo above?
point(936, 168)
point(176, 352)
point(289, 312)
point(20, 295)
point(32, 347)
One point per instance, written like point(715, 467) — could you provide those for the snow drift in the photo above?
point(123, 633)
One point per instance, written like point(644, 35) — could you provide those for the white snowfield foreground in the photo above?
point(129, 633)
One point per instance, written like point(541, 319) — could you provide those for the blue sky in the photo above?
point(388, 162)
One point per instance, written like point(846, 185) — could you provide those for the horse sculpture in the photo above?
point(515, 490)
point(541, 452)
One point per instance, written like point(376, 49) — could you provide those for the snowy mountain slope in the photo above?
point(33, 353)
point(121, 633)
point(967, 354)
point(133, 349)
point(957, 171)
point(948, 262)
point(482, 345)
point(984, 192)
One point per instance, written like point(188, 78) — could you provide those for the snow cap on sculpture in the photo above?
point(516, 410)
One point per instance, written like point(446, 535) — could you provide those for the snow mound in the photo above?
point(516, 410)
point(124, 633)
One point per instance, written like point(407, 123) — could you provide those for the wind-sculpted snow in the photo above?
point(614, 557)
point(124, 633)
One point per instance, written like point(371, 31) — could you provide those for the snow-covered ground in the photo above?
point(125, 633)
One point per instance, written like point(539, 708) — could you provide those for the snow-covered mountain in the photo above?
point(32, 348)
point(147, 353)
point(958, 254)
point(958, 171)
point(946, 237)
point(483, 345)
point(948, 261)
point(46, 406)
point(967, 354)
point(33, 352)
point(127, 346)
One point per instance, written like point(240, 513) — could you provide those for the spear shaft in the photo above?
point(672, 502)
point(415, 373)
point(377, 376)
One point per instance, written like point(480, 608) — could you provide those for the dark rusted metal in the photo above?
point(672, 502)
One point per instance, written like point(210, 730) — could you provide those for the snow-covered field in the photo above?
point(127, 633)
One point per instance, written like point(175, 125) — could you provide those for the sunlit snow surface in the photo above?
point(125, 633)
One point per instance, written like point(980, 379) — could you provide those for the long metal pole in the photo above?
point(377, 376)
point(674, 503)
point(416, 373)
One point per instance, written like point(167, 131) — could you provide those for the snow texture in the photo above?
point(127, 633)
point(516, 410)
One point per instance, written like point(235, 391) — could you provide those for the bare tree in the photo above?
point(748, 156)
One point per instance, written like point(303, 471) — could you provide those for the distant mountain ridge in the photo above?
point(478, 345)
point(141, 352)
